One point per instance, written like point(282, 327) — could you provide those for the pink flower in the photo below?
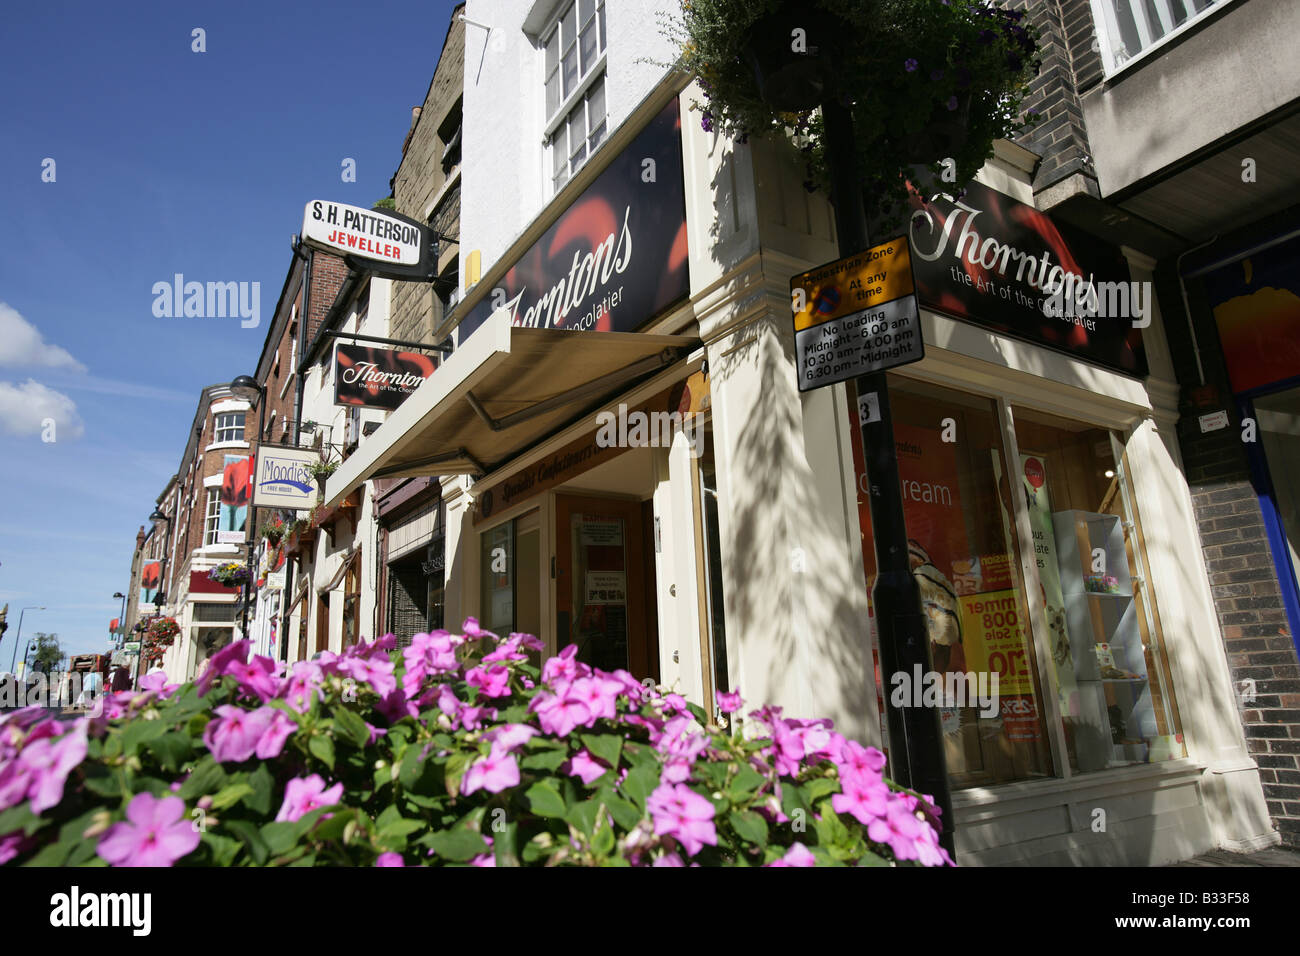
point(42, 768)
point(585, 766)
point(484, 859)
point(156, 833)
point(13, 844)
point(899, 829)
point(600, 694)
point(493, 773)
point(491, 681)
point(376, 672)
point(303, 685)
point(271, 743)
point(681, 813)
point(389, 859)
point(157, 682)
point(233, 736)
point(668, 859)
point(428, 654)
point(302, 795)
point(797, 855)
point(787, 749)
point(864, 799)
point(728, 703)
point(256, 677)
point(507, 650)
point(471, 629)
point(220, 662)
point(564, 667)
point(510, 737)
point(559, 714)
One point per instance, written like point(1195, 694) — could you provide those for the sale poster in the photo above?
point(996, 640)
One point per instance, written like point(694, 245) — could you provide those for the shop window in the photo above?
point(510, 576)
point(962, 547)
point(1107, 653)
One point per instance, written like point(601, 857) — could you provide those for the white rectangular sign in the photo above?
point(282, 479)
point(368, 233)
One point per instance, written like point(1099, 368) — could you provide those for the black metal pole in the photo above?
point(915, 741)
point(252, 512)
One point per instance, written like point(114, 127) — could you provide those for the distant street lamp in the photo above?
point(18, 638)
point(121, 620)
point(247, 388)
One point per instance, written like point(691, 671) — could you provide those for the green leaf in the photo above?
point(20, 818)
point(389, 815)
point(458, 845)
point(352, 726)
point(247, 832)
point(584, 816)
point(820, 787)
point(544, 800)
point(230, 794)
point(279, 836)
point(395, 833)
point(322, 748)
point(224, 849)
point(260, 782)
point(749, 826)
point(141, 732)
point(171, 749)
point(457, 765)
point(641, 782)
point(602, 841)
point(869, 858)
point(605, 746)
point(546, 760)
point(208, 777)
point(625, 814)
point(505, 840)
point(746, 782)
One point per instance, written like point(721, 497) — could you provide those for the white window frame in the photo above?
point(557, 121)
point(1106, 27)
point(211, 516)
point(218, 428)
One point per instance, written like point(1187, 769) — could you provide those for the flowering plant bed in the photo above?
point(231, 574)
point(454, 751)
point(926, 81)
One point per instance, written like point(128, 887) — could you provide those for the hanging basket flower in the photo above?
point(161, 632)
point(231, 574)
point(929, 83)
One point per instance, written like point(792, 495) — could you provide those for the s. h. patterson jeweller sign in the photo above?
point(380, 242)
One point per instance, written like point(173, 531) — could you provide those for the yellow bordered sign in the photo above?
point(856, 315)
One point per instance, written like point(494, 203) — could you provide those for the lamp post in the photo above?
point(247, 388)
point(793, 81)
point(18, 638)
point(121, 619)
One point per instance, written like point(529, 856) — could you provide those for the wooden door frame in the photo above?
point(628, 509)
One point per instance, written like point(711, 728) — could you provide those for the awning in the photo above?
point(501, 391)
point(343, 569)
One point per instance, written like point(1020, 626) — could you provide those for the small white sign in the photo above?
point(1214, 421)
point(281, 478)
point(868, 408)
point(606, 587)
point(368, 233)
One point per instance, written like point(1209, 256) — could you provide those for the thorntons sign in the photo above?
point(377, 378)
point(385, 243)
point(1001, 264)
point(616, 257)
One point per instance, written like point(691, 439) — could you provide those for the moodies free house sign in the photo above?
point(616, 257)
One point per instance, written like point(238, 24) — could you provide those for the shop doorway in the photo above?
point(604, 583)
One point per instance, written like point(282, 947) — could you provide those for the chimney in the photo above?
point(415, 118)
point(139, 539)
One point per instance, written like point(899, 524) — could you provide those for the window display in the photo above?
point(1106, 651)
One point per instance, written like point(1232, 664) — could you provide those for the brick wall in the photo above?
point(1070, 66)
point(1243, 582)
point(327, 275)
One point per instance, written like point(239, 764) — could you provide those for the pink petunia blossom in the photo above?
point(563, 667)
point(559, 714)
point(302, 686)
point(220, 663)
point(278, 730)
point(377, 672)
point(797, 855)
point(233, 735)
point(728, 703)
point(681, 813)
point(157, 683)
point(389, 859)
point(155, 833)
point(494, 773)
point(490, 681)
point(584, 766)
point(13, 844)
point(42, 768)
point(484, 859)
point(427, 655)
point(472, 629)
point(256, 678)
point(668, 859)
point(899, 829)
point(302, 795)
point(509, 737)
point(864, 799)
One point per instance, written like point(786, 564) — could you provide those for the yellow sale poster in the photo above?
point(996, 640)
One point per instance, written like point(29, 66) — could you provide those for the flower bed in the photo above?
point(456, 750)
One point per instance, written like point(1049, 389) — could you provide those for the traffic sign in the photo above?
point(856, 315)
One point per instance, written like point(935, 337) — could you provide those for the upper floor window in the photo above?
point(212, 517)
point(229, 427)
point(574, 66)
point(1127, 28)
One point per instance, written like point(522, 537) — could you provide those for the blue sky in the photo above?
point(165, 161)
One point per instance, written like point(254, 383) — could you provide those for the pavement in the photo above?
point(1273, 856)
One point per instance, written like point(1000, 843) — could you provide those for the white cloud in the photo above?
point(21, 343)
point(26, 409)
